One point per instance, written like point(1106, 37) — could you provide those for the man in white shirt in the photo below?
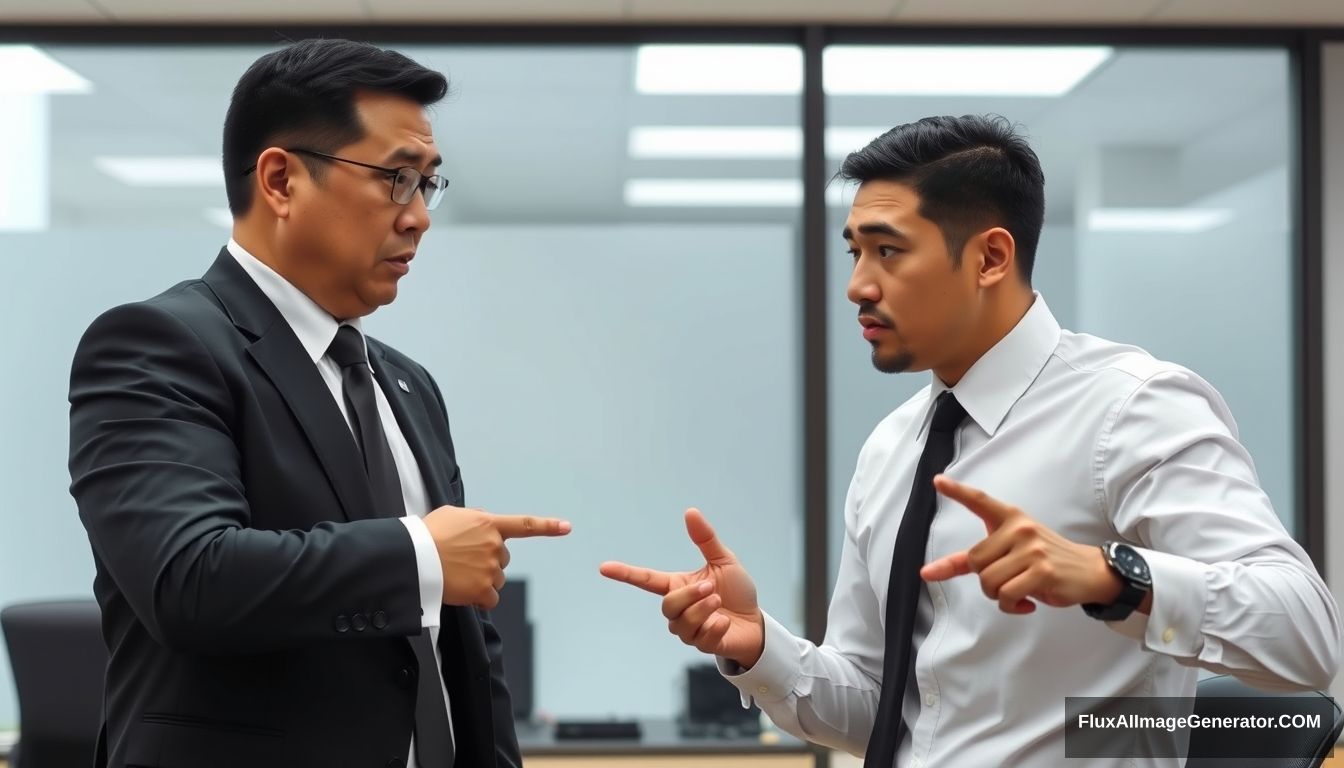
point(1069, 471)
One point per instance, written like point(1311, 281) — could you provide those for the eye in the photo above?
point(853, 253)
point(886, 251)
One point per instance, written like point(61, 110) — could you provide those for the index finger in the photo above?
point(647, 579)
point(525, 526)
point(986, 507)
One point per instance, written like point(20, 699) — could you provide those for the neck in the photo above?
point(259, 245)
point(258, 241)
point(1000, 314)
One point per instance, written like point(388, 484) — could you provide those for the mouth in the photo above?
point(872, 327)
point(401, 263)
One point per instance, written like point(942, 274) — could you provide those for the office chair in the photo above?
point(1224, 695)
point(58, 657)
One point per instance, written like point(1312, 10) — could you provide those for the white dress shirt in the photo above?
point(316, 330)
point(1099, 441)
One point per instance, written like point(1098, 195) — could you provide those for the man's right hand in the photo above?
point(472, 552)
point(714, 608)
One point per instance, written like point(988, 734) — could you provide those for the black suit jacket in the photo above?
point(256, 605)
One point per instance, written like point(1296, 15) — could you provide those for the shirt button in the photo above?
point(763, 689)
point(380, 620)
point(342, 624)
point(359, 622)
point(1168, 635)
point(930, 700)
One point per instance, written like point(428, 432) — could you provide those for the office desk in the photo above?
point(660, 746)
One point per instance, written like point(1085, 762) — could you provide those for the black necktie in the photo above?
point(912, 541)
point(433, 742)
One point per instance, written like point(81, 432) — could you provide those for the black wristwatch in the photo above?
point(1137, 582)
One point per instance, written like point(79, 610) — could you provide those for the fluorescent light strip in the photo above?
point(962, 70)
point(714, 193)
point(707, 141)
point(1187, 220)
point(26, 69)
point(745, 142)
point(719, 69)
point(163, 171)
point(729, 193)
point(958, 70)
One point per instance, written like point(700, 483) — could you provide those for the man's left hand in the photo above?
point(1022, 559)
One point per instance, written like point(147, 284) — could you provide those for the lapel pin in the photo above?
point(403, 386)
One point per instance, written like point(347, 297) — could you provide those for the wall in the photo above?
point(609, 375)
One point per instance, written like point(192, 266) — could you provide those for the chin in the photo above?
point(381, 295)
point(892, 362)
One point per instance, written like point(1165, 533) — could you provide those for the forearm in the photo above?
point(244, 590)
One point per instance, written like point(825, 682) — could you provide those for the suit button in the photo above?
point(379, 620)
point(396, 762)
point(359, 622)
point(405, 677)
point(342, 624)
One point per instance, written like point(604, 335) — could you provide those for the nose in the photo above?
point(862, 288)
point(414, 216)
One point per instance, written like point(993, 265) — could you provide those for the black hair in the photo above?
point(971, 173)
point(305, 93)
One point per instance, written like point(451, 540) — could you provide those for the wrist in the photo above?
point(1106, 583)
point(752, 656)
point(1131, 572)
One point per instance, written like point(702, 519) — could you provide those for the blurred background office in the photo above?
point(633, 296)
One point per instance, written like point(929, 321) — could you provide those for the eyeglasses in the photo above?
point(405, 180)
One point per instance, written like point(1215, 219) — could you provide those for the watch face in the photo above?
point(1131, 564)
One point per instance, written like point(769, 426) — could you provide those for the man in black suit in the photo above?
point(286, 573)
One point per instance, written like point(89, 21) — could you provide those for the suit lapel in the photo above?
point(413, 419)
point(282, 358)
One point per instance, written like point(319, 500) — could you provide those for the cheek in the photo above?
point(923, 305)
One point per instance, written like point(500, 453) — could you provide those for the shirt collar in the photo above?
point(311, 324)
point(1001, 376)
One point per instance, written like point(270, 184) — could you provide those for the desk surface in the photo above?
point(657, 737)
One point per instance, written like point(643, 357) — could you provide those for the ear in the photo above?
point(997, 255)
point(276, 173)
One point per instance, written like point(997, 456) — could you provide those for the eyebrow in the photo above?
point(405, 154)
point(875, 229)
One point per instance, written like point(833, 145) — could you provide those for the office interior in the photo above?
point(633, 297)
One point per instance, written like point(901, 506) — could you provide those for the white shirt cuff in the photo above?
point(430, 568)
point(775, 674)
point(1180, 596)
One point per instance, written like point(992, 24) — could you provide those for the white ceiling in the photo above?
point(1083, 12)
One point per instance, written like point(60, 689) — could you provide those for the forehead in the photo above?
point(882, 201)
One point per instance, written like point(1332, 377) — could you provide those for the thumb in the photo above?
point(704, 537)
